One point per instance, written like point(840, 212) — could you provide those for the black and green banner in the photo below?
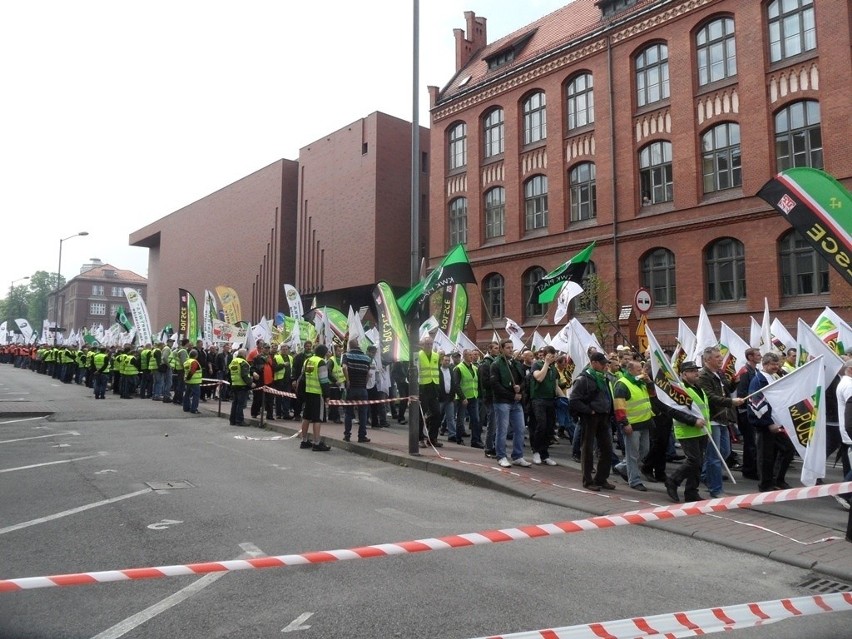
point(393, 338)
point(820, 208)
point(449, 306)
point(187, 316)
point(548, 287)
point(454, 269)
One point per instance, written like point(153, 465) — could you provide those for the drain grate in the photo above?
point(169, 485)
point(825, 586)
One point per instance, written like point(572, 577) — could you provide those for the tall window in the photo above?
point(583, 192)
point(717, 51)
point(495, 212)
point(535, 118)
point(726, 271)
point(458, 221)
point(531, 278)
point(97, 289)
point(652, 75)
point(493, 292)
point(494, 133)
point(803, 270)
point(658, 276)
point(792, 29)
point(535, 202)
point(655, 173)
point(720, 159)
point(458, 146)
point(581, 101)
point(97, 308)
point(798, 137)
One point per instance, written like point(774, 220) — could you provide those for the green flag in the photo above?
point(548, 287)
point(454, 269)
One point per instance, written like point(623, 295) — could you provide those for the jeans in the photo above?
point(159, 382)
point(356, 394)
point(100, 385)
point(239, 396)
point(191, 394)
point(506, 416)
point(487, 412)
point(448, 411)
point(712, 463)
point(636, 446)
point(472, 412)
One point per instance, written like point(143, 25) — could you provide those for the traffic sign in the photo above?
point(642, 301)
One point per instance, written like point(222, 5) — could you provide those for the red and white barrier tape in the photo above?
point(697, 622)
point(340, 402)
point(440, 543)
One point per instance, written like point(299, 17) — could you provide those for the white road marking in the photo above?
point(23, 419)
point(61, 461)
point(23, 439)
point(296, 624)
point(73, 511)
point(133, 622)
point(164, 523)
point(105, 471)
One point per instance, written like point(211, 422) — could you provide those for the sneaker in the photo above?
point(536, 459)
point(520, 461)
point(490, 453)
point(550, 462)
point(320, 447)
point(306, 444)
point(505, 463)
point(844, 503)
point(621, 472)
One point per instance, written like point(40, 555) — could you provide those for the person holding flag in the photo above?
point(691, 432)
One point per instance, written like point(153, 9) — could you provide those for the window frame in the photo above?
point(576, 189)
point(494, 296)
point(535, 117)
point(529, 279)
point(95, 306)
point(667, 270)
point(726, 40)
point(715, 156)
point(457, 146)
point(807, 131)
point(789, 258)
point(652, 172)
point(457, 221)
point(493, 209)
point(494, 133)
point(580, 100)
point(778, 42)
point(713, 266)
point(535, 203)
point(641, 74)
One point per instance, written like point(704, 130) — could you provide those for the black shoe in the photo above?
point(270, 418)
point(782, 485)
point(402, 421)
point(476, 445)
point(692, 497)
point(436, 443)
point(606, 485)
point(736, 466)
point(346, 438)
point(194, 412)
point(305, 445)
point(675, 458)
point(640, 487)
point(593, 487)
point(576, 458)
point(671, 489)
point(490, 453)
point(649, 476)
point(363, 440)
point(321, 447)
point(753, 476)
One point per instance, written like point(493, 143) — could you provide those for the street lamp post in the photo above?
point(57, 313)
point(9, 304)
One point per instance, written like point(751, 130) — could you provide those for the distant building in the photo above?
point(332, 223)
point(647, 126)
point(93, 296)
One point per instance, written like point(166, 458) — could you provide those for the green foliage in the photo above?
point(29, 300)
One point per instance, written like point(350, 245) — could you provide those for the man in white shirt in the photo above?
point(844, 396)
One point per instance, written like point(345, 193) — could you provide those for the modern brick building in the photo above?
point(334, 222)
point(647, 126)
point(93, 296)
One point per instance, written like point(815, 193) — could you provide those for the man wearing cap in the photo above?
point(506, 379)
point(691, 432)
point(591, 400)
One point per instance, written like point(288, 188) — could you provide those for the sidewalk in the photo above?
point(757, 530)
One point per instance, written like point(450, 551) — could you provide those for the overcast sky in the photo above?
point(115, 114)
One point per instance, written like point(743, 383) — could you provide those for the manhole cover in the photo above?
point(825, 586)
point(169, 485)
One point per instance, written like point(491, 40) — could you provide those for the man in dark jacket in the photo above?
point(486, 397)
point(591, 400)
point(506, 379)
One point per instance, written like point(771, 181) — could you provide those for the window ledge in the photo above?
point(532, 146)
point(493, 241)
point(710, 87)
point(656, 209)
point(492, 159)
point(457, 172)
point(662, 312)
point(738, 306)
point(735, 193)
point(654, 106)
point(794, 60)
point(583, 224)
point(811, 300)
point(539, 232)
point(580, 130)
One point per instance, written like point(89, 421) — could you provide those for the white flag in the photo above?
point(538, 341)
point(670, 389)
point(781, 338)
point(570, 289)
point(754, 334)
point(515, 334)
point(464, 343)
point(765, 330)
point(294, 300)
point(139, 313)
point(733, 349)
point(798, 404)
point(685, 344)
point(428, 326)
point(26, 329)
point(704, 337)
point(833, 330)
point(443, 344)
point(811, 346)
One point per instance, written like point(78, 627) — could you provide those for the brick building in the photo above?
point(648, 126)
point(93, 296)
point(334, 222)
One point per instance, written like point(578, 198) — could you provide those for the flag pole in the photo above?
point(718, 453)
point(609, 321)
point(413, 330)
point(488, 312)
point(543, 317)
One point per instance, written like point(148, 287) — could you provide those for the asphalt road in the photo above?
point(251, 498)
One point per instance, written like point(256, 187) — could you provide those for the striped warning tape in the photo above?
point(341, 402)
point(440, 543)
point(697, 622)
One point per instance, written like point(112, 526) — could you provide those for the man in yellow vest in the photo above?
point(429, 362)
point(239, 373)
point(192, 375)
point(635, 417)
point(691, 432)
point(315, 373)
point(468, 392)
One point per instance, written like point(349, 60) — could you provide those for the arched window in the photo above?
point(655, 173)
point(457, 146)
point(458, 221)
point(535, 202)
point(798, 136)
point(531, 278)
point(792, 29)
point(803, 270)
point(581, 101)
point(495, 212)
point(583, 192)
point(725, 262)
point(493, 293)
point(535, 118)
point(720, 157)
point(652, 74)
point(716, 51)
point(493, 131)
point(658, 276)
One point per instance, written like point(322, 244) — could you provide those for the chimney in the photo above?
point(476, 39)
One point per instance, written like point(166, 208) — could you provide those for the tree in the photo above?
point(596, 306)
point(42, 287)
point(15, 306)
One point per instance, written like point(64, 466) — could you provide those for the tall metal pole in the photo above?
point(413, 329)
point(57, 313)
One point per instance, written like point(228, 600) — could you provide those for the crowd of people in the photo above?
point(608, 413)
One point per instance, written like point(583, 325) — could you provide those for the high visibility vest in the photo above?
point(177, 365)
point(685, 431)
point(81, 359)
point(281, 372)
point(639, 405)
point(469, 381)
point(144, 358)
point(311, 373)
point(429, 367)
point(235, 372)
point(98, 360)
point(195, 378)
point(129, 365)
point(335, 371)
point(153, 358)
